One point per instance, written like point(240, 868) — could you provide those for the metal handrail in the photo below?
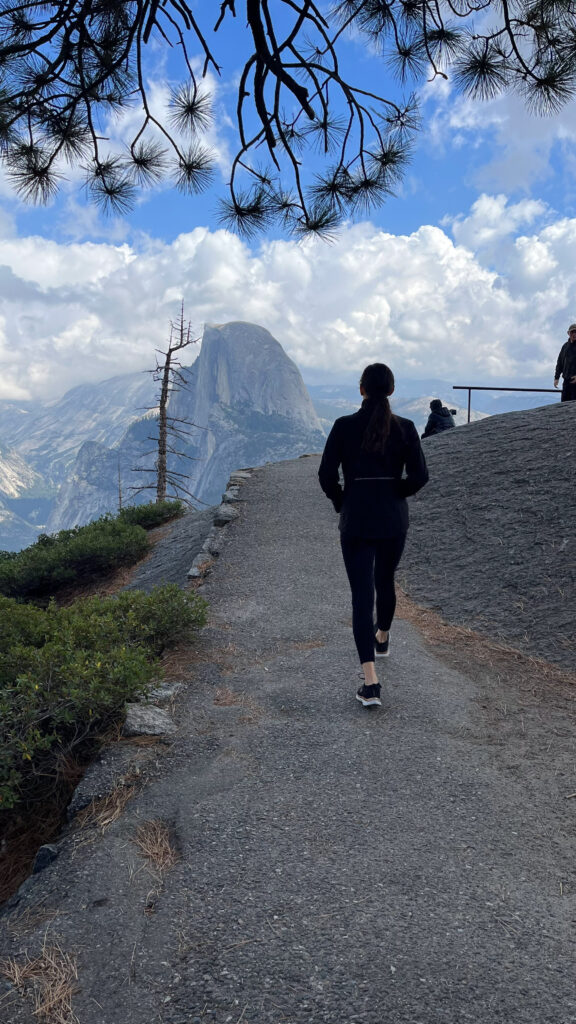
point(478, 387)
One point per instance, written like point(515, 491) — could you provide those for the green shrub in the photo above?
point(151, 515)
point(60, 696)
point(66, 558)
point(66, 672)
point(159, 619)
point(22, 627)
point(21, 624)
point(71, 555)
point(7, 556)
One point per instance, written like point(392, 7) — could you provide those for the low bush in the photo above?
point(21, 624)
point(151, 515)
point(67, 672)
point(70, 556)
point(157, 620)
point(63, 559)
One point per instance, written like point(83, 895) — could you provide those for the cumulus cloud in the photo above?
point(493, 218)
point(429, 304)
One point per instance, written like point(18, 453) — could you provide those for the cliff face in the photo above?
point(44, 441)
point(246, 403)
point(242, 367)
point(91, 490)
point(16, 476)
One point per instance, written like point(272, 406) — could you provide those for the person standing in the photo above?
point(566, 367)
point(375, 449)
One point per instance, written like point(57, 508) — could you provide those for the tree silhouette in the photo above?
point(66, 67)
point(172, 430)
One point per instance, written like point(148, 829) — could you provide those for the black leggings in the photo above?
point(370, 565)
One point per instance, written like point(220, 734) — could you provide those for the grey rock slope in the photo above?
point(493, 537)
point(99, 474)
point(16, 476)
point(248, 405)
point(413, 865)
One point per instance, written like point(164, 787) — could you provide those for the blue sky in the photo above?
point(470, 272)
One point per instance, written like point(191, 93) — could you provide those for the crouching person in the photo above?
point(440, 418)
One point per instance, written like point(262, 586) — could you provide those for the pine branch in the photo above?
point(65, 67)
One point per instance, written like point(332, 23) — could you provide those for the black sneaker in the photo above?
point(382, 650)
point(369, 696)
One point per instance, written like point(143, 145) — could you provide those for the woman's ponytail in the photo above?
point(377, 382)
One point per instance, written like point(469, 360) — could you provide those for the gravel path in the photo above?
point(492, 543)
point(409, 865)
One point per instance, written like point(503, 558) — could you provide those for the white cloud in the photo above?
point(492, 218)
point(524, 142)
point(52, 265)
point(428, 305)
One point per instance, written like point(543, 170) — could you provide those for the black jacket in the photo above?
point(566, 362)
point(438, 420)
point(373, 501)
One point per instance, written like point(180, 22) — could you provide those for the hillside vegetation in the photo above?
point(68, 671)
point(70, 556)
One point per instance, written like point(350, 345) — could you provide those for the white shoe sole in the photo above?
point(372, 702)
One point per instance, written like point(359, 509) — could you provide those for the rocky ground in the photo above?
point(174, 551)
point(492, 543)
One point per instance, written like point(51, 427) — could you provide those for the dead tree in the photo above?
point(120, 496)
point(172, 430)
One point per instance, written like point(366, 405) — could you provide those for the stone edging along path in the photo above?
point(117, 763)
point(224, 514)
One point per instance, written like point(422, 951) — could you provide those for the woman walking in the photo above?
point(375, 449)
